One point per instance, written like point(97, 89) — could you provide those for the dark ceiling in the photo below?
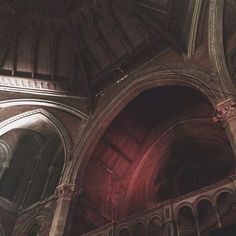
point(92, 43)
point(163, 103)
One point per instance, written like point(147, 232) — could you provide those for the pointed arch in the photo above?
point(22, 120)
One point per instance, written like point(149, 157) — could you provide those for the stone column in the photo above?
point(216, 210)
point(177, 222)
point(67, 196)
point(195, 215)
point(226, 113)
point(170, 226)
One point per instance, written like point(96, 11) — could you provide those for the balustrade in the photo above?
point(162, 217)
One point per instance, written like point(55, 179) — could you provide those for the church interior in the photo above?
point(118, 118)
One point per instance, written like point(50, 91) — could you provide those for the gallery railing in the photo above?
point(177, 215)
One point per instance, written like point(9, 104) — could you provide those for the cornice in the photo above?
point(34, 86)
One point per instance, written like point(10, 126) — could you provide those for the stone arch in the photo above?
point(45, 160)
point(182, 205)
point(139, 229)
point(202, 198)
point(155, 77)
point(186, 221)
point(224, 201)
point(157, 218)
point(222, 191)
point(155, 227)
point(206, 215)
point(45, 103)
point(124, 232)
point(22, 120)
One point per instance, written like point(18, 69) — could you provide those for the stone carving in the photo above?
point(225, 110)
point(216, 48)
point(67, 190)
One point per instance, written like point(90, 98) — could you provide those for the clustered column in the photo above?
point(226, 113)
point(170, 224)
point(67, 196)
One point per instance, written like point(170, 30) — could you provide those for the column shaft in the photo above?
point(67, 197)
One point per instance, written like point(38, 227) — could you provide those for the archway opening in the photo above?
point(186, 221)
point(159, 143)
point(124, 232)
point(155, 228)
point(33, 163)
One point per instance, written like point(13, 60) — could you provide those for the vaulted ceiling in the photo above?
point(163, 145)
point(93, 43)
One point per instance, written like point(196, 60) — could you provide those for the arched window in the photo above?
point(14, 178)
point(34, 170)
point(186, 221)
point(155, 228)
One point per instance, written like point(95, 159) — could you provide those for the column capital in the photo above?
point(68, 190)
point(225, 110)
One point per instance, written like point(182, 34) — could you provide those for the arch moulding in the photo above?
point(113, 101)
point(23, 119)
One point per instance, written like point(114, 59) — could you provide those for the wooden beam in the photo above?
point(103, 40)
point(154, 24)
point(135, 20)
point(116, 149)
point(85, 76)
point(149, 7)
point(120, 32)
point(86, 48)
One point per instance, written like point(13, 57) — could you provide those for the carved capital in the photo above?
point(68, 191)
point(225, 111)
